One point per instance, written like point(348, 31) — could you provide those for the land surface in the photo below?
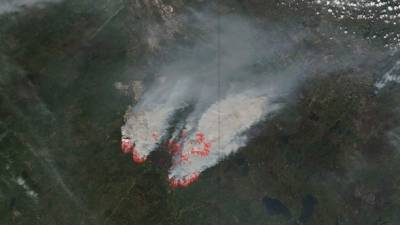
point(330, 157)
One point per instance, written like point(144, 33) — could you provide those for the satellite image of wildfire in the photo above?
point(186, 112)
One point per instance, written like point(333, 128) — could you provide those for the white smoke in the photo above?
point(222, 131)
point(146, 124)
point(10, 6)
point(225, 103)
point(230, 79)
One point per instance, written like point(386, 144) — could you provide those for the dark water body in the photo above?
point(60, 119)
point(309, 203)
point(275, 207)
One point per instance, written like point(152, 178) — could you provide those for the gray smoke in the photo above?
point(10, 6)
point(233, 76)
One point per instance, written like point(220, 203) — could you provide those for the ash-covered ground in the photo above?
point(232, 112)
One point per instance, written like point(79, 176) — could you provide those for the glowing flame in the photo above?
point(192, 149)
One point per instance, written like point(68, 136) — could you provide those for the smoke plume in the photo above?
point(10, 6)
point(232, 77)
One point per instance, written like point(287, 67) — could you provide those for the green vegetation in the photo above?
point(60, 130)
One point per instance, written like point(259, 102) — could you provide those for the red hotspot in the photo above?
point(202, 149)
point(137, 158)
point(128, 146)
point(185, 181)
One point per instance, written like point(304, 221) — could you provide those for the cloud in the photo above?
point(392, 75)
